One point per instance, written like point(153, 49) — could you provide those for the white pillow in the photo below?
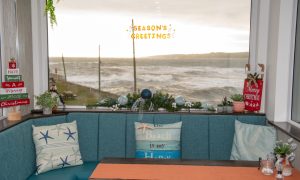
point(252, 141)
point(56, 146)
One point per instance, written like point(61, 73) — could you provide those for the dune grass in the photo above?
point(84, 95)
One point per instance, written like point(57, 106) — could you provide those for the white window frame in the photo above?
point(279, 51)
point(1, 56)
point(291, 72)
point(40, 47)
point(40, 44)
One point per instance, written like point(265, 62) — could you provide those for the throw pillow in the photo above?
point(252, 141)
point(56, 146)
point(158, 140)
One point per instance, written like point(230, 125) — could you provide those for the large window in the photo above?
point(193, 48)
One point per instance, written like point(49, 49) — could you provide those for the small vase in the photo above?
point(47, 111)
point(238, 106)
point(229, 109)
point(267, 167)
point(162, 110)
point(220, 109)
point(287, 168)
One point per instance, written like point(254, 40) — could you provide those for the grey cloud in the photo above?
point(232, 13)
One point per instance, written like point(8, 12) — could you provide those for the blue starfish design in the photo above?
point(64, 162)
point(45, 136)
point(70, 134)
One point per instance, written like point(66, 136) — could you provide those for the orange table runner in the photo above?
point(184, 172)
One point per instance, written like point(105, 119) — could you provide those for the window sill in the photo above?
point(70, 110)
point(287, 128)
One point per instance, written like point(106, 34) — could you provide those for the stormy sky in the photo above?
point(201, 25)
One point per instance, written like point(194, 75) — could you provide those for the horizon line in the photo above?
point(149, 56)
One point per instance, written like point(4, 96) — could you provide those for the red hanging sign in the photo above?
point(253, 87)
point(14, 103)
point(13, 84)
point(252, 94)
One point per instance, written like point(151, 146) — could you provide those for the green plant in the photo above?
point(237, 97)
point(50, 10)
point(211, 108)
point(284, 149)
point(225, 102)
point(108, 102)
point(131, 99)
point(161, 100)
point(46, 100)
point(197, 105)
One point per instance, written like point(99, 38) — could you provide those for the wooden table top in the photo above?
point(116, 168)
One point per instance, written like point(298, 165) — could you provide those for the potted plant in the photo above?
point(225, 106)
point(220, 108)
point(238, 103)
point(229, 105)
point(47, 102)
point(285, 155)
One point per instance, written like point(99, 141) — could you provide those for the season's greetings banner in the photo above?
point(154, 31)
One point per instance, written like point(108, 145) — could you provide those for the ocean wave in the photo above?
point(205, 83)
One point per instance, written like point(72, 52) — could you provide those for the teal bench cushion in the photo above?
point(17, 155)
point(52, 120)
point(194, 137)
point(81, 172)
point(87, 124)
point(112, 139)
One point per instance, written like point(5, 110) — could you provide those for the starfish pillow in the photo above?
point(56, 146)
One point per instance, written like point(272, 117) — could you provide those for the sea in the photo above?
point(204, 80)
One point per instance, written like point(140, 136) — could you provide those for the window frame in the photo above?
point(39, 47)
point(1, 66)
point(292, 78)
point(41, 58)
point(1, 57)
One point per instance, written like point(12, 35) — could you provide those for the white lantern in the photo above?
point(179, 100)
point(122, 100)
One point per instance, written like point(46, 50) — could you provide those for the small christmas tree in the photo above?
point(12, 92)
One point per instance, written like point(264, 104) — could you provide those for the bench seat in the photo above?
point(112, 134)
point(81, 172)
